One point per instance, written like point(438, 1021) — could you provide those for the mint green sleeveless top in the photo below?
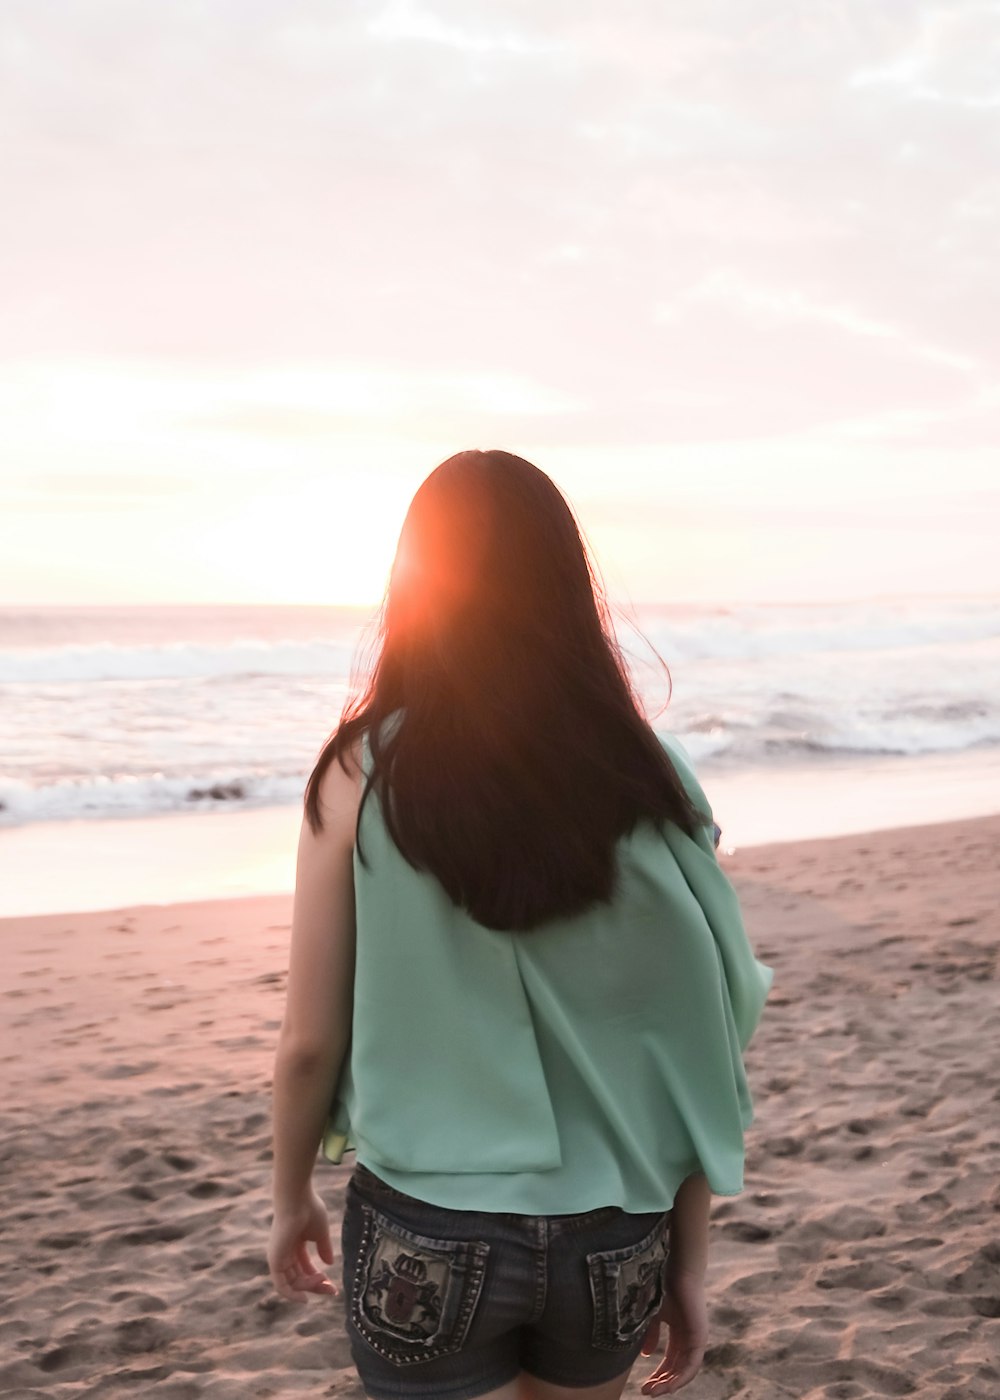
point(594, 1061)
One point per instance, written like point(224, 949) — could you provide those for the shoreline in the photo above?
point(83, 865)
point(861, 1257)
point(740, 863)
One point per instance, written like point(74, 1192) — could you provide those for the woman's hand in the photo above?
point(684, 1311)
point(293, 1273)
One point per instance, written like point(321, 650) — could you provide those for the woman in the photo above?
point(516, 958)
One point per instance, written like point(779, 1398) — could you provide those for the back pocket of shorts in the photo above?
point(412, 1297)
point(626, 1286)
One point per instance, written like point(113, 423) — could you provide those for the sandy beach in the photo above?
point(863, 1258)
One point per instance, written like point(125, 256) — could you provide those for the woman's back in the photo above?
point(594, 1060)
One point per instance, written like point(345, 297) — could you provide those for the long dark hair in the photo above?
point(518, 756)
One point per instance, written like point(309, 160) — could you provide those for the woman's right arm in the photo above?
point(314, 1033)
point(683, 1309)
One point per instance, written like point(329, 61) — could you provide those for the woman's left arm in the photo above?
point(314, 1035)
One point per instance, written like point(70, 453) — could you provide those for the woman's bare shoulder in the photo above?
point(339, 794)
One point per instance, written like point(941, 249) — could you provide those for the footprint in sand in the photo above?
point(747, 1231)
point(783, 1146)
point(179, 1162)
point(126, 1071)
point(68, 1239)
point(146, 1302)
point(161, 1233)
point(844, 1223)
point(64, 1357)
point(140, 1193)
point(244, 1266)
point(141, 1334)
point(866, 1277)
point(205, 1190)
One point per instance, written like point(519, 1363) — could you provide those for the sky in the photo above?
point(726, 270)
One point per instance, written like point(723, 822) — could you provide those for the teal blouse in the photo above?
point(596, 1060)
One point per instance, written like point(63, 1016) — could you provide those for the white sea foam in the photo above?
point(757, 632)
point(141, 711)
point(752, 633)
point(126, 795)
point(105, 661)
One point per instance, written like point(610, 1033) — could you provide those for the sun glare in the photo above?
point(321, 542)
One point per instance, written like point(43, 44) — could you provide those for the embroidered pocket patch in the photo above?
point(406, 1288)
point(413, 1297)
point(626, 1286)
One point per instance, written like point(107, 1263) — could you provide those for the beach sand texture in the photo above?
point(863, 1258)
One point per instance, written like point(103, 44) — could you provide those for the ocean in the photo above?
point(130, 711)
point(115, 714)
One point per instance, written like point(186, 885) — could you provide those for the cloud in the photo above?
point(953, 56)
point(539, 191)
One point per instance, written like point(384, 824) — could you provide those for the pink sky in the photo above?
point(726, 271)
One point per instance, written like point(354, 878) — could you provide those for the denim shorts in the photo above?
point(453, 1303)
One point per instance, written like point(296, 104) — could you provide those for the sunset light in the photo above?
point(722, 279)
point(736, 305)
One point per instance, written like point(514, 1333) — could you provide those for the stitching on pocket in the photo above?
point(626, 1287)
point(413, 1297)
